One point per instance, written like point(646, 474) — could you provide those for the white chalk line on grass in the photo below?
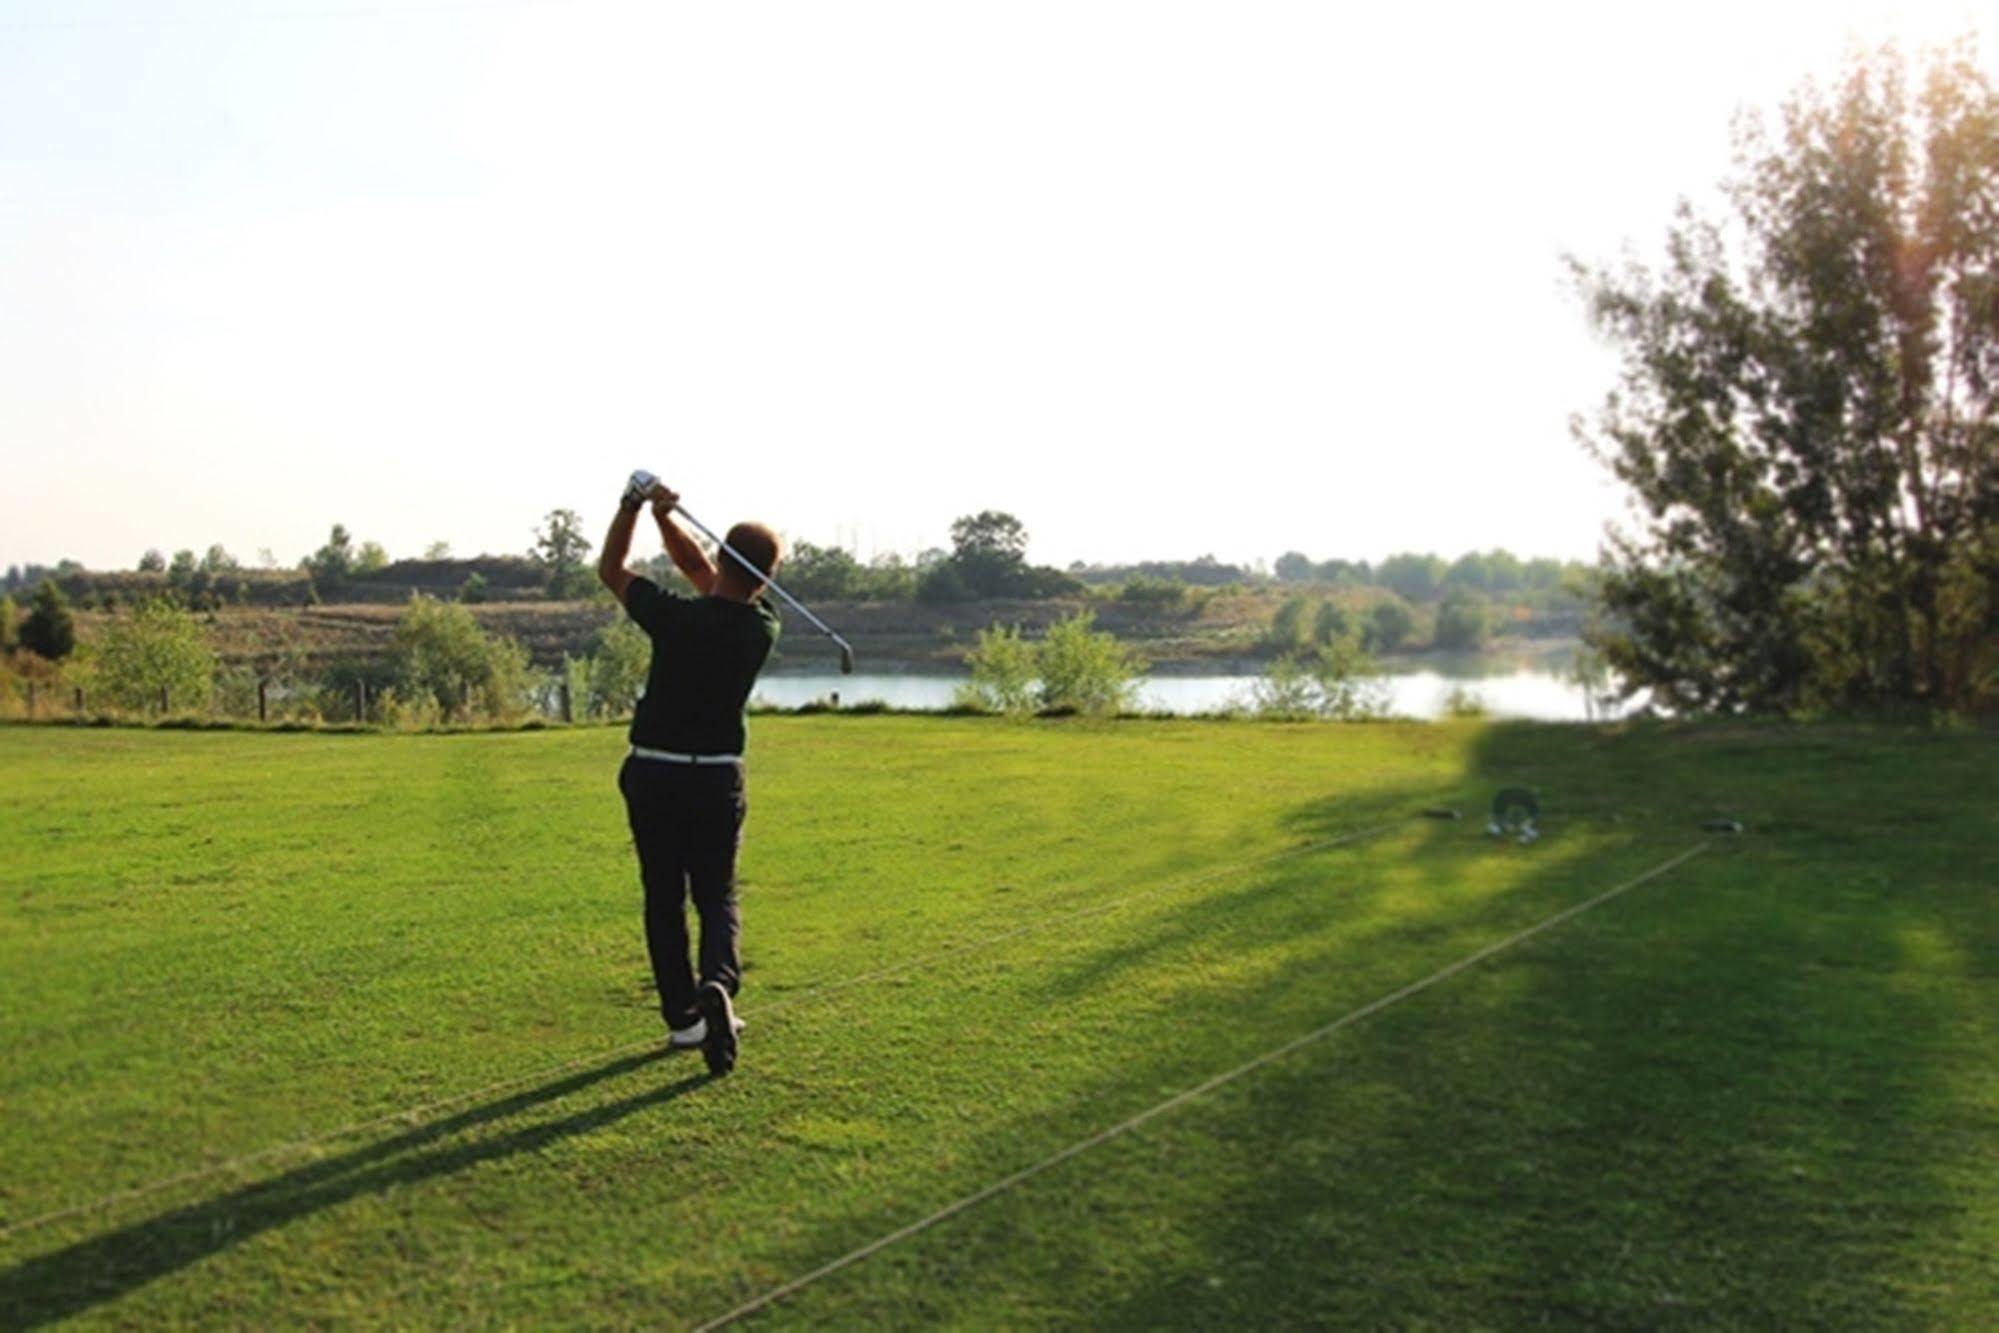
point(424, 1110)
point(1180, 1099)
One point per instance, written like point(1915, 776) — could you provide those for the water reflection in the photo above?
point(1529, 692)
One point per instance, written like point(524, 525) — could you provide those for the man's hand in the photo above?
point(637, 489)
point(663, 497)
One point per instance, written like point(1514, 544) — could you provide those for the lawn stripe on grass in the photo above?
point(414, 1115)
point(1103, 1136)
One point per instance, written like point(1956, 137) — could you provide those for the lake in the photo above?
point(1541, 693)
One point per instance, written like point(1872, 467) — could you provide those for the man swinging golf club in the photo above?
point(683, 780)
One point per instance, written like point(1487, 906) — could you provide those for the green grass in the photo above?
point(1759, 1090)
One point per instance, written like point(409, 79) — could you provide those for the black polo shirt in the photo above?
point(706, 652)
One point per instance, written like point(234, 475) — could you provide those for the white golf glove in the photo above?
point(639, 488)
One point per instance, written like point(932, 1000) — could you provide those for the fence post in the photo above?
point(566, 714)
point(263, 711)
point(165, 702)
point(79, 698)
point(360, 701)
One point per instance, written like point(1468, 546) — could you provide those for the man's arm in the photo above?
point(687, 554)
point(617, 545)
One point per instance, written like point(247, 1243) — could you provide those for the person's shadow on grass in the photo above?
point(90, 1272)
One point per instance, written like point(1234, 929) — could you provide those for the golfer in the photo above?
point(683, 780)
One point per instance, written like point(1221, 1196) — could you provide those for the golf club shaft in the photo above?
point(767, 581)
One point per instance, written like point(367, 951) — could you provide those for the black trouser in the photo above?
point(687, 821)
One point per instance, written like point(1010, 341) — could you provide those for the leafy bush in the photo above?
point(617, 669)
point(1084, 669)
point(1340, 682)
point(1349, 682)
point(1285, 692)
point(48, 630)
point(1163, 594)
point(1464, 702)
point(1288, 630)
point(1389, 625)
point(1075, 669)
point(153, 647)
point(1331, 622)
point(1004, 667)
point(1463, 623)
point(440, 653)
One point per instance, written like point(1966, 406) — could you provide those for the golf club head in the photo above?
point(846, 660)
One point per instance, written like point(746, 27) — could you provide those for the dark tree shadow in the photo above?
point(84, 1275)
point(1730, 1098)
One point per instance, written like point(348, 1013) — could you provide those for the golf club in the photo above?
point(846, 649)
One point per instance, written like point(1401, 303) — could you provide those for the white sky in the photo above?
point(1160, 278)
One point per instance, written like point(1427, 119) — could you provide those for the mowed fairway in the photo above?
point(1760, 1088)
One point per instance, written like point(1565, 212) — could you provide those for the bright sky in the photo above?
point(1160, 278)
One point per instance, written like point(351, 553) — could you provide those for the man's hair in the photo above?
point(758, 544)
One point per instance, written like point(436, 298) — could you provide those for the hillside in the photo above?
point(1210, 629)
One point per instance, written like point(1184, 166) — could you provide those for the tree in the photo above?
point(562, 550)
point(1331, 624)
point(1389, 625)
point(182, 571)
point(826, 572)
point(989, 550)
point(891, 578)
point(48, 630)
point(1353, 572)
point(372, 558)
point(153, 562)
point(1415, 578)
point(151, 648)
point(218, 561)
point(1293, 567)
point(1808, 412)
point(332, 563)
point(1462, 623)
point(942, 583)
point(1288, 627)
point(437, 551)
point(10, 628)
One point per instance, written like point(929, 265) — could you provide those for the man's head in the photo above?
point(761, 547)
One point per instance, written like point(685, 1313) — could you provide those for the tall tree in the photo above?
point(989, 553)
point(562, 549)
point(332, 563)
point(1806, 414)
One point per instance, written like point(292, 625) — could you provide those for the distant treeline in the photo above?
point(1427, 578)
point(987, 560)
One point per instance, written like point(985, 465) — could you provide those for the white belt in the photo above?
point(668, 756)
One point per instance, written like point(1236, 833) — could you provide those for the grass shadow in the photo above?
point(1735, 1096)
point(84, 1275)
